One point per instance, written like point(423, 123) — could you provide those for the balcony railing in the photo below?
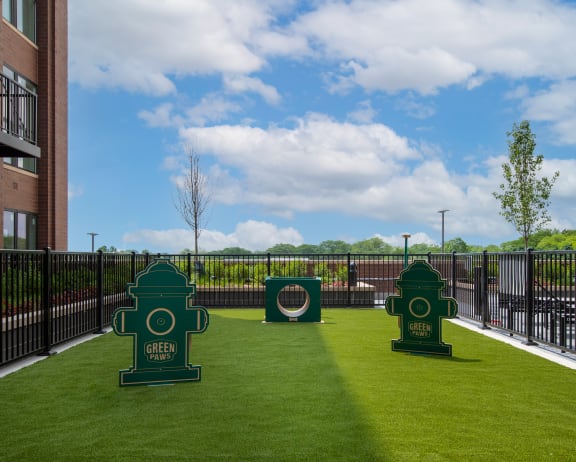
point(18, 111)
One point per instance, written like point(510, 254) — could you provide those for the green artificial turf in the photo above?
point(295, 392)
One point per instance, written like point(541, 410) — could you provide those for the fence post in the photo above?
point(562, 334)
point(454, 293)
point(133, 266)
point(268, 263)
point(47, 301)
point(349, 280)
point(100, 293)
point(529, 298)
point(486, 317)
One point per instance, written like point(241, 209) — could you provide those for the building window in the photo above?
point(20, 79)
point(19, 230)
point(22, 15)
point(25, 163)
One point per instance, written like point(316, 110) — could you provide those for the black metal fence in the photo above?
point(51, 297)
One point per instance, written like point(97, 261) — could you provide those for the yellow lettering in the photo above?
point(160, 350)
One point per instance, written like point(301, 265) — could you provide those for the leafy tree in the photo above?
point(283, 248)
point(333, 247)
point(110, 249)
point(566, 240)
point(422, 248)
point(232, 251)
point(456, 245)
point(307, 249)
point(533, 241)
point(524, 198)
point(371, 246)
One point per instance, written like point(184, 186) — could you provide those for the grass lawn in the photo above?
point(295, 392)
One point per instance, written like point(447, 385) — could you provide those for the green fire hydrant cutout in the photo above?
point(160, 322)
point(421, 309)
point(296, 287)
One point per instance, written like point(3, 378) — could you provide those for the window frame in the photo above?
point(20, 230)
point(22, 15)
point(28, 164)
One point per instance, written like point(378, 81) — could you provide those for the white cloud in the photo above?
point(520, 92)
point(179, 37)
point(242, 83)
point(556, 105)
point(170, 240)
point(390, 46)
point(363, 170)
point(415, 107)
point(364, 113)
point(424, 46)
point(318, 164)
point(211, 108)
point(251, 235)
point(74, 191)
point(162, 116)
point(398, 241)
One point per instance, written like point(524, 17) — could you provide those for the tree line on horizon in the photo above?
point(548, 239)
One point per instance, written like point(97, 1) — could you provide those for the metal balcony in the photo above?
point(18, 120)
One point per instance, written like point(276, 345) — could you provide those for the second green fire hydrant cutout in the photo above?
point(421, 308)
point(160, 321)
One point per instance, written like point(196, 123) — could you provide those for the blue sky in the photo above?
point(314, 121)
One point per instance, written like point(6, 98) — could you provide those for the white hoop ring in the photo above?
point(300, 311)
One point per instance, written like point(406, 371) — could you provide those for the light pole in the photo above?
point(443, 212)
point(92, 235)
point(405, 236)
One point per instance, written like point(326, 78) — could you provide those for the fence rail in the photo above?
point(51, 297)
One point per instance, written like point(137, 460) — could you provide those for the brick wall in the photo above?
point(46, 64)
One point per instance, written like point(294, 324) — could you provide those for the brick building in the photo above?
point(34, 124)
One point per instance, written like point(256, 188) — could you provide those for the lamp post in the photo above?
point(92, 235)
point(443, 212)
point(405, 236)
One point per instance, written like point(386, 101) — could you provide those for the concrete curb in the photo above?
point(28, 361)
point(564, 359)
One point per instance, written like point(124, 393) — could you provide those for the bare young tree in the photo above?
point(193, 196)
